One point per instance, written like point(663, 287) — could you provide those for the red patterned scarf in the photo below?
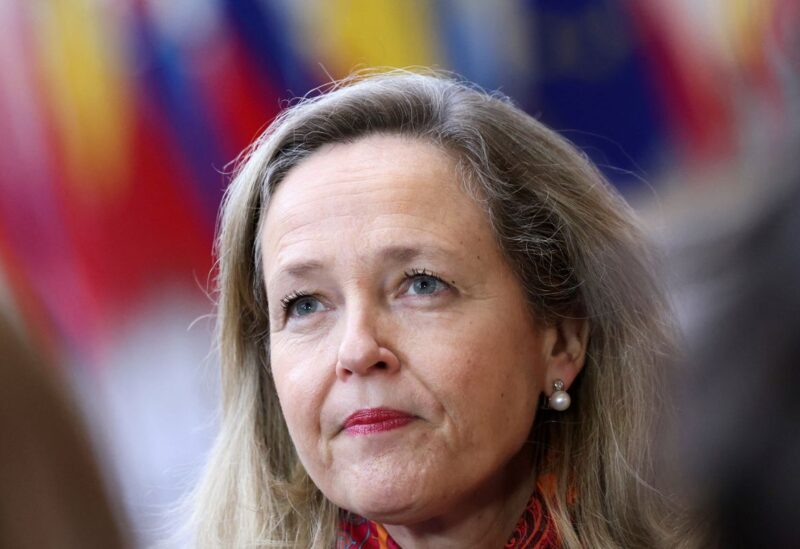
point(534, 530)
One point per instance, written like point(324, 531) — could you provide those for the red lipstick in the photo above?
point(375, 420)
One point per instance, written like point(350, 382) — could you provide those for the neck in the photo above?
point(485, 518)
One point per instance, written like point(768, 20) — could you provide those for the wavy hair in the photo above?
point(574, 246)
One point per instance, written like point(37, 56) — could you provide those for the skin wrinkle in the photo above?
point(281, 262)
point(255, 491)
point(467, 361)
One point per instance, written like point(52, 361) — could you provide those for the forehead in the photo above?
point(378, 189)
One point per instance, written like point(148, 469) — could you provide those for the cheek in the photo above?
point(298, 370)
point(484, 372)
point(492, 392)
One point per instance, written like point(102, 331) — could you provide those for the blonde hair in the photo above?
point(576, 250)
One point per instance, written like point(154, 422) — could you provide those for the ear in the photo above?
point(565, 351)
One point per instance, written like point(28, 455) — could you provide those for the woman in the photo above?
point(409, 268)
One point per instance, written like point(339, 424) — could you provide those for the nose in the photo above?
point(361, 351)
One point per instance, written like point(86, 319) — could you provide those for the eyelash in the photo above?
point(289, 300)
point(413, 273)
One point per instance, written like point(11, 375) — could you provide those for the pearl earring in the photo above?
point(560, 399)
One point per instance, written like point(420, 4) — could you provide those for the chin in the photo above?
point(390, 513)
point(387, 502)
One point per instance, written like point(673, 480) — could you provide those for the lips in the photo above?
point(375, 420)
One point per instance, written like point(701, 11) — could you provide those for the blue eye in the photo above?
point(423, 282)
point(299, 304)
point(425, 285)
point(305, 306)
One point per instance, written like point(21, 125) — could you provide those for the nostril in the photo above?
point(381, 365)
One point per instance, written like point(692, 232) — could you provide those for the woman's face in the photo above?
point(407, 363)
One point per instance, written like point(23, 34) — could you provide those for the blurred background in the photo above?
point(119, 121)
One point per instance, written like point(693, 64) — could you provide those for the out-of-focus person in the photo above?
point(51, 491)
point(738, 285)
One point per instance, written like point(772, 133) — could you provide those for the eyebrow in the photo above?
point(301, 268)
point(401, 254)
point(393, 254)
